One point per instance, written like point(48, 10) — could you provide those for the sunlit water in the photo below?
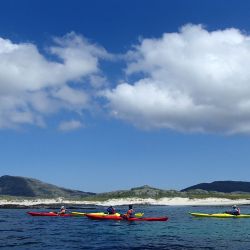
point(21, 231)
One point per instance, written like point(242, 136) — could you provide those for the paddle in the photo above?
point(78, 213)
point(138, 215)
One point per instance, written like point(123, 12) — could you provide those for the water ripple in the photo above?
point(19, 231)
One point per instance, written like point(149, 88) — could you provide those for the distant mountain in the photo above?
point(222, 186)
point(28, 187)
point(140, 192)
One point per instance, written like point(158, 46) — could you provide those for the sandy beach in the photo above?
point(176, 201)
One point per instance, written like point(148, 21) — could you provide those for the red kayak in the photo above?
point(112, 217)
point(47, 214)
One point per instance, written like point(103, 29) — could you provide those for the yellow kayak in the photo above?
point(84, 214)
point(102, 213)
point(220, 215)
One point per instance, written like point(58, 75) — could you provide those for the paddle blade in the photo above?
point(78, 214)
point(139, 215)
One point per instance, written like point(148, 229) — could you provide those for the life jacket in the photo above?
point(111, 210)
point(130, 213)
point(63, 211)
point(235, 211)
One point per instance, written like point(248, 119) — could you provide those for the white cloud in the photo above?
point(193, 80)
point(98, 81)
point(33, 86)
point(72, 96)
point(70, 125)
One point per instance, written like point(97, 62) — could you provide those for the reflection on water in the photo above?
point(21, 231)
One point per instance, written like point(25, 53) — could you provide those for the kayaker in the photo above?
point(235, 210)
point(111, 210)
point(130, 212)
point(62, 210)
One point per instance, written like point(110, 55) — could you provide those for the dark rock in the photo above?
point(222, 186)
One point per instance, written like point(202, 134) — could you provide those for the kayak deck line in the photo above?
point(75, 214)
point(96, 213)
point(112, 217)
point(220, 215)
point(49, 214)
point(102, 213)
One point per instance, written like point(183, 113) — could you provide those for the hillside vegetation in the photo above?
point(14, 187)
point(28, 187)
point(155, 193)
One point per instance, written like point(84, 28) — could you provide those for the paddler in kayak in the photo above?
point(235, 210)
point(111, 210)
point(130, 213)
point(62, 210)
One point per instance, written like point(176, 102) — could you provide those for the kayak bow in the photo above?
point(113, 217)
point(48, 214)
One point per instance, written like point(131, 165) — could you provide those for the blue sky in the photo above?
point(106, 95)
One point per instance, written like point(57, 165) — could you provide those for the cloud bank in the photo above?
point(191, 81)
point(34, 85)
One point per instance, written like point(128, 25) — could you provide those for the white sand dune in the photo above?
point(176, 201)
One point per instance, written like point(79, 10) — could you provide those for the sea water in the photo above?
point(182, 231)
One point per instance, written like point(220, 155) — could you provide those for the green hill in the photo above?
point(28, 187)
point(137, 192)
point(15, 186)
point(156, 193)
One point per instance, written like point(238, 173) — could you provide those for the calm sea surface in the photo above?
point(21, 231)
